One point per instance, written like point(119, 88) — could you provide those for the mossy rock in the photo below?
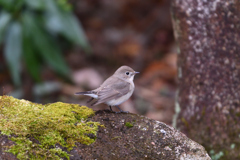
point(69, 131)
point(129, 125)
point(37, 129)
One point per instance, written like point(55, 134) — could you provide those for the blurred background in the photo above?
point(50, 49)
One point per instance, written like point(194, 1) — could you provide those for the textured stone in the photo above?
point(144, 139)
point(208, 34)
point(147, 139)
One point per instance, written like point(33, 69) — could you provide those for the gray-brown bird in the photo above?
point(115, 90)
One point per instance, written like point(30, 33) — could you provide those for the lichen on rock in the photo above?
point(67, 131)
point(129, 125)
point(44, 131)
point(146, 139)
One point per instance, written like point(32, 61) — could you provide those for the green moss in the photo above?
point(185, 122)
point(38, 128)
point(204, 111)
point(116, 137)
point(216, 156)
point(129, 125)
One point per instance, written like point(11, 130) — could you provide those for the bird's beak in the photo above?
point(136, 72)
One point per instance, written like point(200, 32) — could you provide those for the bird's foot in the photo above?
point(122, 112)
point(111, 110)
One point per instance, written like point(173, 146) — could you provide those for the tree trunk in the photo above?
point(208, 34)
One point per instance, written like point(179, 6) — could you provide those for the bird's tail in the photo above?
point(88, 93)
point(83, 93)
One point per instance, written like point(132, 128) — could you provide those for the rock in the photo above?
point(119, 136)
point(207, 100)
point(146, 139)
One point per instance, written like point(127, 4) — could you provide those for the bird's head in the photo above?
point(125, 72)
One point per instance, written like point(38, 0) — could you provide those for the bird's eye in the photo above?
point(127, 73)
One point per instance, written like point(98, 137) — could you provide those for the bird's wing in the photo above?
point(114, 90)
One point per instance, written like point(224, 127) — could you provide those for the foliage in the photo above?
point(38, 129)
point(129, 125)
point(35, 31)
point(216, 156)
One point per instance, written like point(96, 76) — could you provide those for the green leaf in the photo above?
point(53, 21)
point(13, 50)
point(18, 5)
point(4, 21)
point(35, 4)
point(73, 30)
point(30, 52)
point(6, 4)
point(51, 53)
point(64, 22)
point(46, 45)
point(12, 6)
point(31, 58)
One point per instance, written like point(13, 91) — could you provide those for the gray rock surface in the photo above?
point(208, 36)
point(131, 136)
point(146, 139)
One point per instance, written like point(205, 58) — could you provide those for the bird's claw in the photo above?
point(122, 112)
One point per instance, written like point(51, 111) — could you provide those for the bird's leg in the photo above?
point(121, 111)
point(111, 108)
point(90, 100)
point(93, 103)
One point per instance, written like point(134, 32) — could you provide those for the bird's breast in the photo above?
point(118, 101)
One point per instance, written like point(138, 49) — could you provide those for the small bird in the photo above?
point(115, 90)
